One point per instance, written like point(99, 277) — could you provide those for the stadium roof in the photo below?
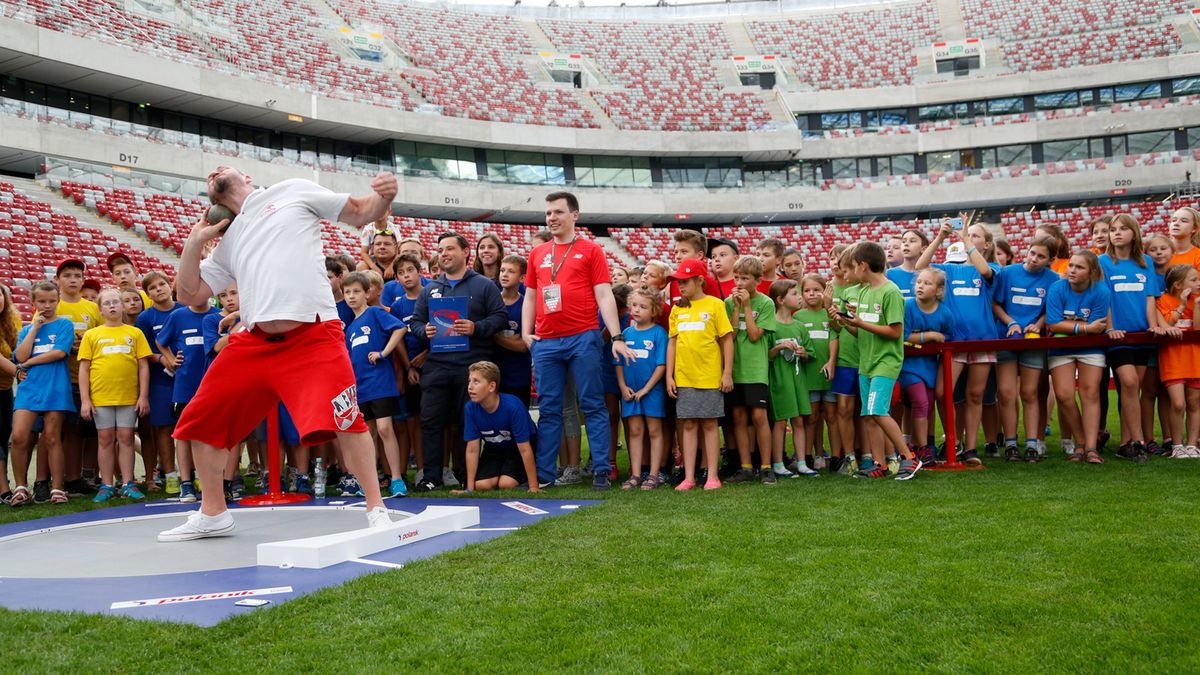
point(647, 9)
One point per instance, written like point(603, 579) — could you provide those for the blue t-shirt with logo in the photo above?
point(183, 331)
point(906, 281)
point(969, 296)
point(1023, 294)
point(150, 321)
point(403, 309)
point(1129, 284)
point(516, 368)
point(1063, 303)
point(392, 290)
point(923, 368)
point(47, 387)
point(368, 333)
point(501, 429)
point(345, 314)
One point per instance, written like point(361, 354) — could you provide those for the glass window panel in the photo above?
point(845, 168)
point(1186, 85)
point(893, 117)
point(838, 120)
point(1118, 146)
point(1005, 106)
point(1011, 155)
point(939, 162)
point(1154, 141)
point(1061, 99)
point(1193, 137)
point(1137, 92)
point(1060, 151)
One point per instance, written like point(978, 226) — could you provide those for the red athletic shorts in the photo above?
point(308, 368)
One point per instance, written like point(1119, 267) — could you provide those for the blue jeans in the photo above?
point(582, 354)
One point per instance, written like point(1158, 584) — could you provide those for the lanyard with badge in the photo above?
point(552, 294)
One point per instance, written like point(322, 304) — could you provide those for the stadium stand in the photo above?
point(872, 48)
point(1092, 49)
point(667, 71)
point(1022, 20)
point(35, 236)
point(477, 61)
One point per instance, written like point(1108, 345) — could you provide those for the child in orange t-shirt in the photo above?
point(1184, 228)
point(1179, 364)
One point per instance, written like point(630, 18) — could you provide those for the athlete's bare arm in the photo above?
point(360, 211)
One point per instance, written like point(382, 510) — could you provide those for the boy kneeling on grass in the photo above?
point(502, 422)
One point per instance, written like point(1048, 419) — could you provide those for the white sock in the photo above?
point(1068, 446)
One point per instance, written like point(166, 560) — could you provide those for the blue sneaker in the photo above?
point(350, 487)
point(302, 484)
point(105, 493)
point(187, 492)
point(130, 491)
point(399, 489)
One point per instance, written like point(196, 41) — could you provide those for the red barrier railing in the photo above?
point(948, 349)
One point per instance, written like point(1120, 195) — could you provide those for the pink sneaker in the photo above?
point(713, 484)
point(685, 486)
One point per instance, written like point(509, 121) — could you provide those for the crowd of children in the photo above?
point(734, 353)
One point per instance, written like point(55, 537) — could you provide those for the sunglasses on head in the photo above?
point(389, 231)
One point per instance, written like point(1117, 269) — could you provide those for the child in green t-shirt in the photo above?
point(879, 324)
point(789, 387)
point(819, 370)
point(841, 295)
point(752, 316)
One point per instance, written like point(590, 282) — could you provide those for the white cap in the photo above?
point(957, 253)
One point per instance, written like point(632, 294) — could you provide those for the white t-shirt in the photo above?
point(273, 251)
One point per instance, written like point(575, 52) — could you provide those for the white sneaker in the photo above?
point(1192, 452)
point(1068, 448)
point(818, 462)
point(803, 470)
point(199, 526)
point(1041, 448)
point(448, 478)
point(378, 517)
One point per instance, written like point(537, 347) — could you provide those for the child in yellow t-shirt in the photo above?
point(699, 369)
point(114, 390)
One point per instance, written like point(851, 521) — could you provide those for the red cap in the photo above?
point(92, 284)
point(688, 269)
point(70, 262)
point(119, 256)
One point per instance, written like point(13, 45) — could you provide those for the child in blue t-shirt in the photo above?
point(410, 355)
point(1134, 288)
point(44, 390)
point(499, 435)
point(158, 447)
point(512, 354)
point(218, 327)
point(181, 342)
point(642, 388)
point(927, 320)
point(1079, 305)
point(970, 283)
point(372, 338)
point(1020, 308)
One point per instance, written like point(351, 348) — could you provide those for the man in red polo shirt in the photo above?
point(571, 283)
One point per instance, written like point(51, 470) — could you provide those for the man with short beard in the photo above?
point(293, 347)
point(444, 375)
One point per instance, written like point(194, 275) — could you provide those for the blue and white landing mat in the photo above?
point(108, 561)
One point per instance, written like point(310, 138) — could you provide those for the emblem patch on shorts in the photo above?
point(345, 407)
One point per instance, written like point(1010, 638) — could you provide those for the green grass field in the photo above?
point(1055, 567)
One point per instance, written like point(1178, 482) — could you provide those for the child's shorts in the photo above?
point(699, 404)
point(116, 416)
point(1096, 360)
point(495, 463)
point(876, 395)
point(972, 358)
point(1026, 358)
point(824, 396)
point(161, 409)
point(845, 381)
point(752, 395)
point(378, 408)
point(1130, 356)
point(1190, 383)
